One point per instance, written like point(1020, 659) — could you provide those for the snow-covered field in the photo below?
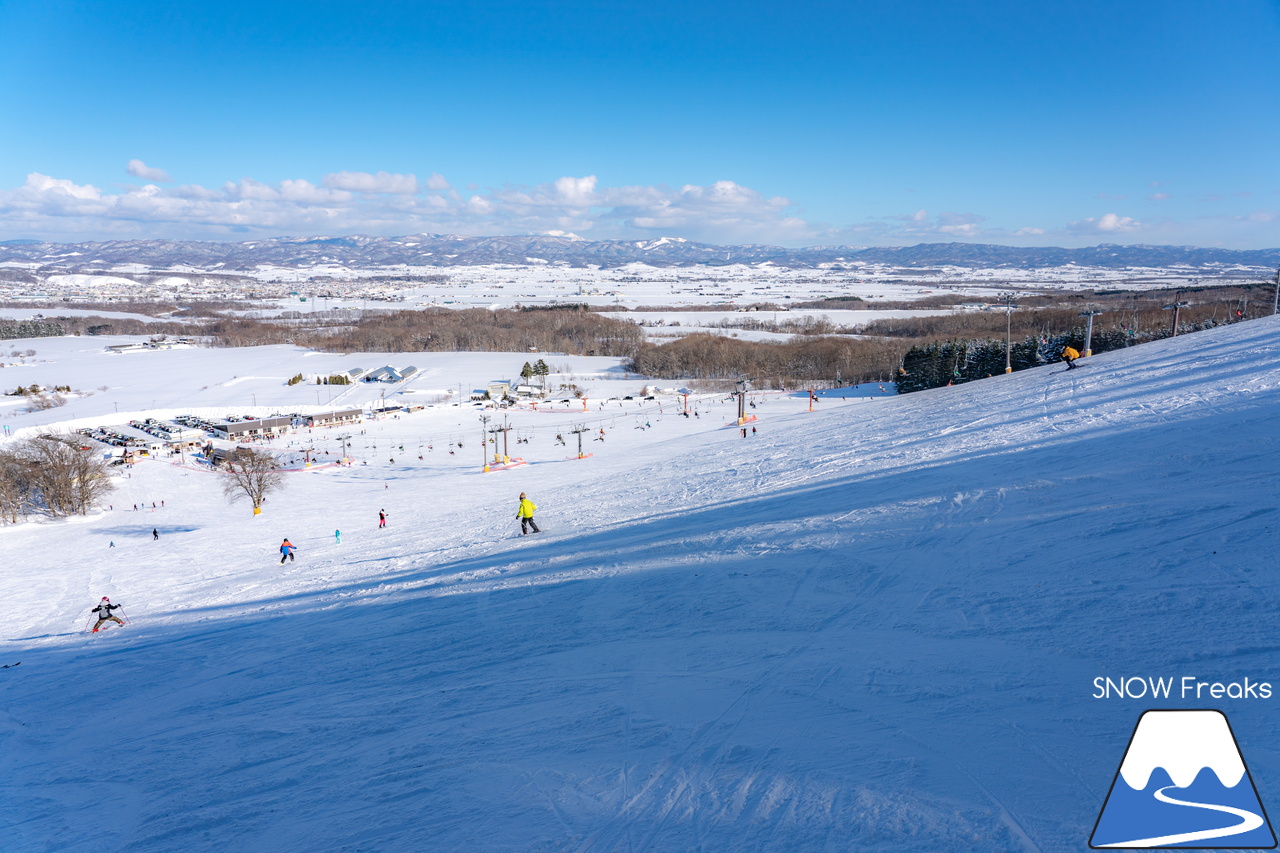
point(334, 286)
point(874, 626)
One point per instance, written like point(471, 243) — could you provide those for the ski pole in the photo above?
point(127, 620)
point(85, 629)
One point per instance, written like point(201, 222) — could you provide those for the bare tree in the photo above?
point(15, 487)
point(41, 401)
point(69, 478)
point(251, 474)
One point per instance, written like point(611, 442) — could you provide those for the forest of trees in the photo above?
point(13, 330)
point(570, 330)
point(801, 359)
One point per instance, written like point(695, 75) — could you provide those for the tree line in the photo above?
point(801, 359)
point(1035, 338)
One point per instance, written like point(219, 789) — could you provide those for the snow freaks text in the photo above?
point(1186, 687)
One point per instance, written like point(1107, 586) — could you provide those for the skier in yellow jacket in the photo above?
point(525, 514)
point(1069, 355)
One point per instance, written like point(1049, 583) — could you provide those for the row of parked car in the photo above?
point(151, 426)
point(194, 422)
point(106, 435)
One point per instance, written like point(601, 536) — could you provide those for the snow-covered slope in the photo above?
point(871, 627)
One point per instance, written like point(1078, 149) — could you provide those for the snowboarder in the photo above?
point(286, 551)
point(103, 610)
point(382, 518)
point(525, 514)
point(155, 534)
point(337, 537)
point(1069, 355)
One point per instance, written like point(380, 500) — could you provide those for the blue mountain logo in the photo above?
point(1183, 783)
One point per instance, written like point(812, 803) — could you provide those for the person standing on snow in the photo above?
point(337, 537)
point(1069, 355)
point(525, 513)
point(155, 534)
point(286, 551)
point(104, 614)
point(382, 518)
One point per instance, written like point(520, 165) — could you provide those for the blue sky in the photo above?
point(1026, 123)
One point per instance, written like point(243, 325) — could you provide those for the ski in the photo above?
point(10, 665)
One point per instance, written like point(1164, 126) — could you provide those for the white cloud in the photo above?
point(1108, 223)
point(139, 169)
point(382, 203)
point(364, 182)
point(42, 185)
point(1159, 197)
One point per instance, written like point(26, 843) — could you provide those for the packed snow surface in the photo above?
point(874, 626)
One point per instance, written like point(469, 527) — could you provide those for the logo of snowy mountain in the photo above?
point(1183, 783)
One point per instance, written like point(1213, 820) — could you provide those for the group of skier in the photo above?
point(524, 512)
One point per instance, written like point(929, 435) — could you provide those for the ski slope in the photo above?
point(870, 627)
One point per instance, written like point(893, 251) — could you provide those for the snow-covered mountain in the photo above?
point(454, 250)
point(874, 626)
point(1183, 743)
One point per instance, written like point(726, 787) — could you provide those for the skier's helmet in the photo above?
point(104, 598)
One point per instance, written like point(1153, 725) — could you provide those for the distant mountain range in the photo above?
point(452, 250)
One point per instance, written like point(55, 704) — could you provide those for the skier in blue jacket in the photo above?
point(286, 550)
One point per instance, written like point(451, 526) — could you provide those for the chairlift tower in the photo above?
point(1009, 304)
point(504, 458)
point(1176, 307)
point(1088, 330)
point(578, 431)
point(741, 394)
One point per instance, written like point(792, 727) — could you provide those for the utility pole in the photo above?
point(1088, 330)
point(1008, 330)
point(344, 439)
point(484, 441)
point(1275, 303)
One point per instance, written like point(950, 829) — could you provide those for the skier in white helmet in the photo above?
point(104, 613)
